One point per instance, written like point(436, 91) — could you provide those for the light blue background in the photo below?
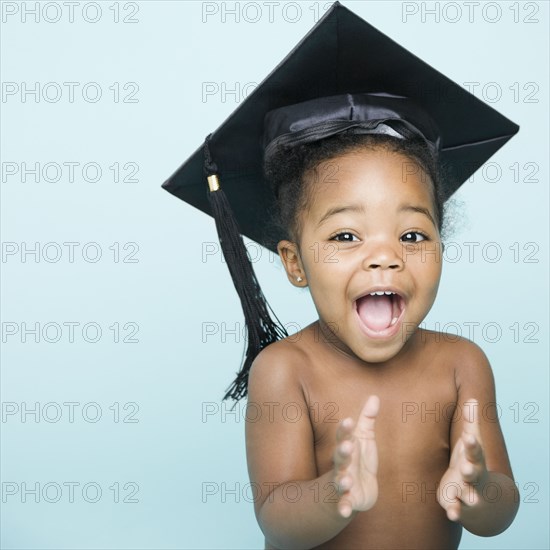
point(172, 453)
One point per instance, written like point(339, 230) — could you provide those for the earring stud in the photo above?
point(299, 279)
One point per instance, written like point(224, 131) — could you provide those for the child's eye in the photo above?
point(347, 237)
point(413, 237)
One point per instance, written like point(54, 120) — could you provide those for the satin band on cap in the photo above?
point(323, 117)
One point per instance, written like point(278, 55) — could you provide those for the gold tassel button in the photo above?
point(213, 182)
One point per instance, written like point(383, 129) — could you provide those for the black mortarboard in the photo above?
point(343, 74)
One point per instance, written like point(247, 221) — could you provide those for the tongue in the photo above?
point(375, 311)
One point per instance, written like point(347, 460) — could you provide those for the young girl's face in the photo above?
point(371, 227)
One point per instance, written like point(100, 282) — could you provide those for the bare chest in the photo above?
point(412, 427)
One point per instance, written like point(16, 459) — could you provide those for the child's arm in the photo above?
point(295, 507)
point(478, 489)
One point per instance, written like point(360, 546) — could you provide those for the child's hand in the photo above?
point(464, 480)
point(356, 461)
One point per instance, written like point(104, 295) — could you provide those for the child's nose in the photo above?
point(383, 255)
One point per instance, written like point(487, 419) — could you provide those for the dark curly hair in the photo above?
point(287, 171)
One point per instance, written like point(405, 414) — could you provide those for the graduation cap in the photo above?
point(344, 75)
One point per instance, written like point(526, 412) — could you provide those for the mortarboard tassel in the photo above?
point(262, 330)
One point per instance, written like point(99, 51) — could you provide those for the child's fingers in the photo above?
point(344, 430)
point(473, 461)
point(342, 455)
point(463, 487)
point(453, 505)
point(344, 507)
point(468, 472)
point(453, 512)
point(471, 418)
point(343, 483)
point(448, 497)
point(473, 450)
point(367, 418)
point(344, 446)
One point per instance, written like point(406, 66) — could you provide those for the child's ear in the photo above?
point(288, 252)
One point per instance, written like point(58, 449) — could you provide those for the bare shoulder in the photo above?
point(277, 367)
point(463, 355)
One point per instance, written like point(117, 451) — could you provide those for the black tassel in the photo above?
point(262, 330)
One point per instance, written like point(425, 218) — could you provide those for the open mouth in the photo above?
point(380, 311)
